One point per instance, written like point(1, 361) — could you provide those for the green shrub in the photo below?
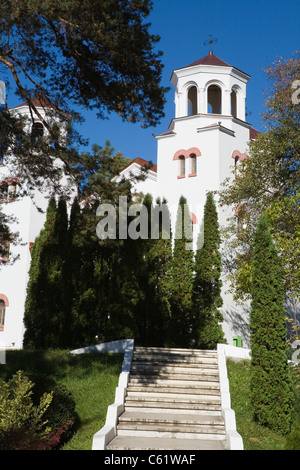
point(22, 423)
point(61, 415)
point(293, 439)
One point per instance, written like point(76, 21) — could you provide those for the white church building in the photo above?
point(205, 140)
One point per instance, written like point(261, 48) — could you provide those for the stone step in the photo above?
point(168, 408)
point(135, 417)
point(178, 385)
point(172, 431)
point(178, 375)
point(174, 391)
point(156, 443)
point(196, 408)
point(157, 355)
point(173, 351)
point(147, 364)
point(174, 359)
point(202, 401)
point(171, 369)
point(191, 382)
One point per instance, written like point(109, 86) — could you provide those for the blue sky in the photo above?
point(251, 34)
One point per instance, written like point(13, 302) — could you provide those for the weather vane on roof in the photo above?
point(210, 43)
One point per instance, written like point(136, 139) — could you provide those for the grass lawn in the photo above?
point(91, 378)
point(255, 437)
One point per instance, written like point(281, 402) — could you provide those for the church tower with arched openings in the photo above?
point(207, 138)
point(208, 135)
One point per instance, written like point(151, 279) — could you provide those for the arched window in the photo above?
point(2, 314)
point(193, 168)
point(4, 250)
point(236, 167)
point(238, 157)
point(241, 214)
point(214, 99)
point(233, 103)
point(192, 101)
point(37, 130)
point(3, 191)
point(181, 166)
point(9, 189)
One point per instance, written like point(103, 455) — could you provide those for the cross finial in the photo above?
point(209, 43)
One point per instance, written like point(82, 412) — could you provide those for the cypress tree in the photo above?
point(182, 279)
point(83, 266)
point(73, 263)
point(207, 284)
point(271, 391)
point(57, 277)
point(45, 303)
point(36, 317)
point(152, 265)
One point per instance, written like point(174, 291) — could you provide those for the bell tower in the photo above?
point(210, 86)
point(208, 134)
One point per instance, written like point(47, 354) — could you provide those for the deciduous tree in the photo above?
point(269, 181)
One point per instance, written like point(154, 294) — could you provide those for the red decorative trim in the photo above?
point(5, 300)
point(240, 210)
point(236, 154)
point(179, 153)
point(10, 181)
point(187, 153)
point(194, 218)
point(194, 151)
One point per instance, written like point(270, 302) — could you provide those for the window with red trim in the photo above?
point(181, 166)
point(4, 251)
point(2, 314)
point(193, 166)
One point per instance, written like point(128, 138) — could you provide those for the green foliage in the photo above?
point(181, 280)
point(255, 436)
point(271, 392)
point(152, 265)
point(22, 424)
point(45, 303)
point(91, 378)
point(269, 182)
point(293, 439)
point(61, 415)
point(94, 53)
point(207, 284)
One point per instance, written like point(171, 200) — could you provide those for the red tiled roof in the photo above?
point(210, 59)
point(142, 162)
point(167, 133)
point(43, 103)
point(253, 133)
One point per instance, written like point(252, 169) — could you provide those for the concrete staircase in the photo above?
point(172, 403)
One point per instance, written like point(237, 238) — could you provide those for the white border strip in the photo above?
point(233, 438)
point(109, 430)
